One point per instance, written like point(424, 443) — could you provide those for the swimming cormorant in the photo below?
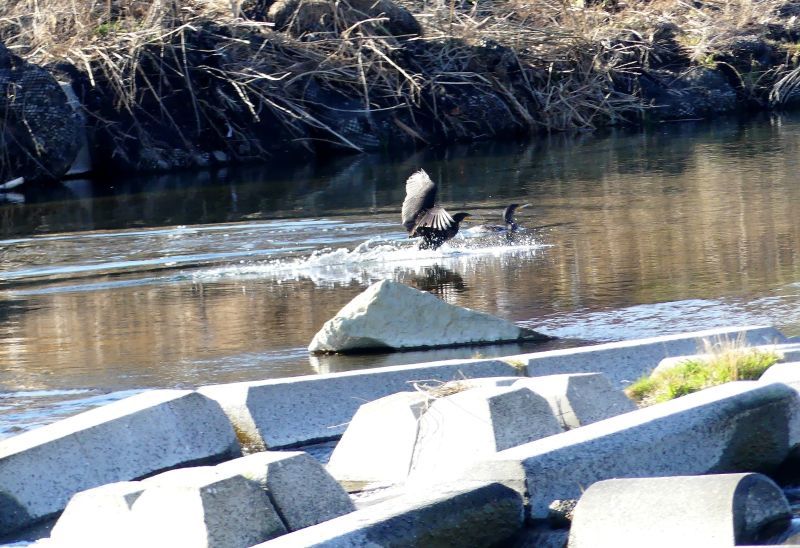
point(508, 218)
point(424, 217)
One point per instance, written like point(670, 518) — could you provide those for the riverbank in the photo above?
point(110, 449)
point(162, 86)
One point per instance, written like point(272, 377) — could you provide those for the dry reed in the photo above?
point(567, 58)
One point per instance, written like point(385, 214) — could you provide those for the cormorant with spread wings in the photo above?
point(424, 217)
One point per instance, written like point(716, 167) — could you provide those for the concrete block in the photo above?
point(736, 427)
point(711, 511)
point(464, 384)
point(625, 361)
point(580, 398)
point(459, 429)
point(787, 353)
point(787, 373)
point(144, 434)
point(378, 445)
point(392, 315)
point(288, 412)
point(484, 515)
point(98, 517)
point(302, 492)
point(203, 507)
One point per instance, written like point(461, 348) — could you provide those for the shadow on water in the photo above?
point(337, 363)
point(358, 185)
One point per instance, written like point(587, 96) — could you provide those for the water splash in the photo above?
point(374, 259)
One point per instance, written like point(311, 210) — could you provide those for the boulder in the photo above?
point(301, 410)
point(473, 112)
point(300, 17)
point(390, 315)
point(736, 427)
point(462, 428)
point(578, 399)
point(483, 515)
point(128, 439)
point(40, 133)
point(303, 493)
point(696, 92)
point(345, 124)
point(710, 511)
point(205, 127)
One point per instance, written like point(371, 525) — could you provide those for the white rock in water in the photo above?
point(391, 315)
point(13, 183)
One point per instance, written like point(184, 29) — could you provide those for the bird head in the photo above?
point(460, 216)
point(508, 214)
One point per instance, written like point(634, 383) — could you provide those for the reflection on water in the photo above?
point(174, 282)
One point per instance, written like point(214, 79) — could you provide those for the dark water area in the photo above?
point(180, 280)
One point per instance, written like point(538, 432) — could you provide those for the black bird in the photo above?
point(423, 216)
point(510, 224)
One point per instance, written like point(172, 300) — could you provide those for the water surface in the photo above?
point(190, 279)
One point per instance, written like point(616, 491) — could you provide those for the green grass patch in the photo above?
point(718, 367)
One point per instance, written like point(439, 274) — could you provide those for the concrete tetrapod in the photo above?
point(578, 399)
point(710, 511)
point(128, 439)
point(461, 421)
point(378, 445)
point(202, 507)
point(303, 493)
point(625, 361)
point(287, 412)
point(236, 503)
point(459, 429)
point(735, 427)
point(98, 517)
point(788, 373)
point(481, 515)
point(786, 353)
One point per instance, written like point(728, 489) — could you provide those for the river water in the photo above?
point(191, 279)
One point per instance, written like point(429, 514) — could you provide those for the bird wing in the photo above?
point(436, 218)
point(420, 196)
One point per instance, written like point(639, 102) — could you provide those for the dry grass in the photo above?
point(435, 389)
point(567, 58)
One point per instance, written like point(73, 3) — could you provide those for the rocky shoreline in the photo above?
point(167, 465)
point(161, 89)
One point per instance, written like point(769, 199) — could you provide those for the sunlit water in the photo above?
point(183, 280)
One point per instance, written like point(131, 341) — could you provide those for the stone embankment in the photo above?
point(198, 83)
point(482, 452)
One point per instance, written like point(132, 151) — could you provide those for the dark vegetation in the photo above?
point(167, 84)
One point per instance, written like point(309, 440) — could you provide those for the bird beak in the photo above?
point(523, 206)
